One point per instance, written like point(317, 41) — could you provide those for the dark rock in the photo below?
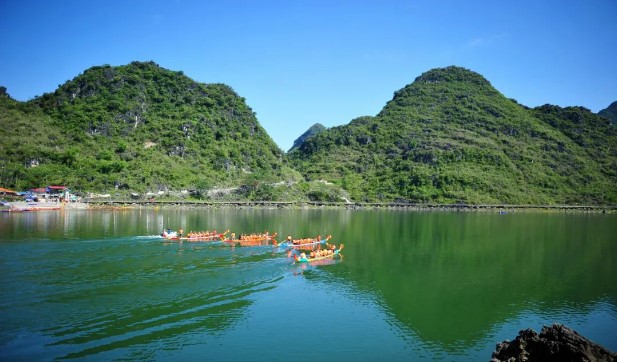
point(555, 343)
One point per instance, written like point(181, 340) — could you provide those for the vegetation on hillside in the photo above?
point(137, 127)
point(610, 113)
point(315, 129)
point(448, 137)
point(451, 137)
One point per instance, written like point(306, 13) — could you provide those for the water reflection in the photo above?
point(451, 277)
point(415, 285)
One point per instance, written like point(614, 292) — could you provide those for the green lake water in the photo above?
point(101, 285)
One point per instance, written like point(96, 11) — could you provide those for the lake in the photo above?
point(101, 285)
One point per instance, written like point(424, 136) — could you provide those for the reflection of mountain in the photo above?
point(451, 278)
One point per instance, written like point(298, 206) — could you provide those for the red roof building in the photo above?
point(60, 188)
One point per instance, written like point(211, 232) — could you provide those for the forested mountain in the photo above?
point(451, 137)
point(315, 129)
point(135, 127)
point(447, 137)
point(610, 113)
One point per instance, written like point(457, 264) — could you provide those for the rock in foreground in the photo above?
point(555, 343)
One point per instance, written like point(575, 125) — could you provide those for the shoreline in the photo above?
point(182, 204)
point(282, 205)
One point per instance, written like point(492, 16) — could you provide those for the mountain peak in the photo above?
point(315, 129)
point(436, 86)
point(452, 74)
point(610, 112)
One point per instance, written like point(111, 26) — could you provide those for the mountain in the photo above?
point(447, 137)
point(135, 127)
point(315, 129)
point(610, 113)
point(451, 137)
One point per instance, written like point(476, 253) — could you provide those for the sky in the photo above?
point(300, 62)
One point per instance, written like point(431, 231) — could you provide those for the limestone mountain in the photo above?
point(315, 129)
point(610, 113)
point(450, 136)
point(138, 127)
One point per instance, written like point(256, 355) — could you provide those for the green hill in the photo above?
point(447, 137)
point(451, 137)
point(610, 113)
point(315, 129)
point(136, 127)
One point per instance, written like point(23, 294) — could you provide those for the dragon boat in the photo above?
point(204, 236)
point(194, 236)
point(304, 259)
point(251, 240)
point(307, 243)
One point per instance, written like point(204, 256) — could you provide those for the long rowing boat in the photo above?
point(304, 259)
point(307, 243)
point(310, 260)
point(252, 240)
point(204, 236)
point(193, 236)
point(201, 238)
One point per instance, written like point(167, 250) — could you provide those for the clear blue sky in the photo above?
point(299, 62)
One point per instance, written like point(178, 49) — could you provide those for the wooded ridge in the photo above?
point(448, 137)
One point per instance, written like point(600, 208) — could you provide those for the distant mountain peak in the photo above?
point(610, 113)
point(315, 129)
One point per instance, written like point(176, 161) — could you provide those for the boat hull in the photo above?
point(287, 244)
point(249, 242)
point(319, 258)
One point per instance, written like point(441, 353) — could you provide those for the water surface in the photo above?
point(100, 285)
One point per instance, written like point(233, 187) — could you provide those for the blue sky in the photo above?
point(300, 62)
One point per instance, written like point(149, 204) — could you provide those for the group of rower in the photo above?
point(325, 252)
point(318, 239)
point(264, 236)
point(310, 246)
point(203, 234)
point(319, 253)
point(314, 244)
